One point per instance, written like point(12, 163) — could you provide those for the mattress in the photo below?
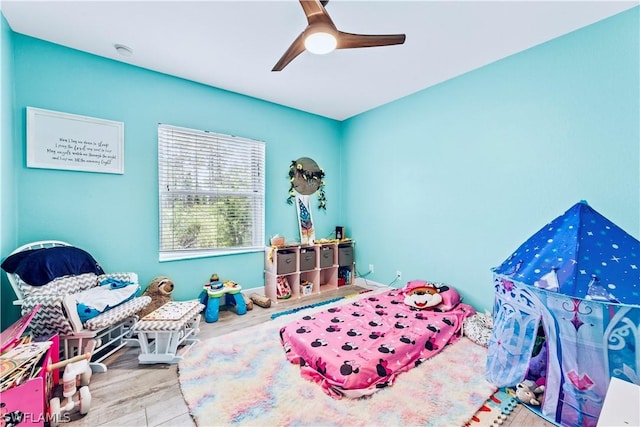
point(356, 349)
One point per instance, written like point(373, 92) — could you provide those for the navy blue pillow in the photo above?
point(38, 267)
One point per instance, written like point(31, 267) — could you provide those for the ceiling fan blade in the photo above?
point(315, 12)
point(350, 41)
point(296, 48)
point(320, 22)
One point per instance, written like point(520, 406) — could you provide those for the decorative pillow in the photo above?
point(433, 295)
point(450, 298)
point(61, 286)
point(478, 328)
point(38, 267)
point(423, 295)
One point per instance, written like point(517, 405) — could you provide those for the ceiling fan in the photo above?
point(321, 35)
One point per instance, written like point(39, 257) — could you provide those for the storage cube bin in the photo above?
point(286, 262)
point(326, 256)
point(345, 255)
point(307, 259)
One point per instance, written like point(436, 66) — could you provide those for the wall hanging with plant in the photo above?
point(306, 178)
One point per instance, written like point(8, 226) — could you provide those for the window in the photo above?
point(211, 193)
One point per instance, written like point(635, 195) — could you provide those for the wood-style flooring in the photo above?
point(130, 394)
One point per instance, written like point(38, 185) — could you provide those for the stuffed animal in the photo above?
point(159, 290)
point(421, 294)
point(538, 365)
point(528, 392)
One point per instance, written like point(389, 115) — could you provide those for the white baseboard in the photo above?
point(365, 283)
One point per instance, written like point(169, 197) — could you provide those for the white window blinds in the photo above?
point(211, 193)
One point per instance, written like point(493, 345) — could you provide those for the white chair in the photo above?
point(101, 335)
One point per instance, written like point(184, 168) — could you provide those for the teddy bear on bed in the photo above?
point(160, 290)
point(423, 295)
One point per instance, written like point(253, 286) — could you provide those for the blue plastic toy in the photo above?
point(213, 293)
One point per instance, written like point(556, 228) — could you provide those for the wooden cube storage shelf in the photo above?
point(318, 264)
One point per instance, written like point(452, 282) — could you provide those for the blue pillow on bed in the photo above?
point(38, 267)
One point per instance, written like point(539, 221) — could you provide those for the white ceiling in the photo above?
point(233, 45)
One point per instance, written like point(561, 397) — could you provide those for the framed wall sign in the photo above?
point(71, 142)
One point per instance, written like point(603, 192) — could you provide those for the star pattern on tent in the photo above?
point(577, 245)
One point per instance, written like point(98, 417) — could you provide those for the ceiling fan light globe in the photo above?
point(320, 43)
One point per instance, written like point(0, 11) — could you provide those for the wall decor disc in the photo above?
point(307, 176)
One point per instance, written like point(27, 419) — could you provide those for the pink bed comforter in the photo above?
point(356, 349)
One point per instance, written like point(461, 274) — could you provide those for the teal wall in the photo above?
point(448, 182)
point(441, 185)
point(8, 183)
point(115, 217)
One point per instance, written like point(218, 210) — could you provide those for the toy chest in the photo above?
point(26, 404)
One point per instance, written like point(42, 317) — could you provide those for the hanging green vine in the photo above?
point(310, 179)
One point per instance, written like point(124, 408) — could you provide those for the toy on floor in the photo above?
point(247, 302)
point(75, 389)
point(538, 365)
point(214, 282)
point(217, 285)
point(529, 392)
point(160, 290)
point(260, 300)
point(213, 292)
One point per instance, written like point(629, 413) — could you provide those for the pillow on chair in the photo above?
point(61, 286)
point(38, 267)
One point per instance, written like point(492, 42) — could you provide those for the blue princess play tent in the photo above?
point(574, 289)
